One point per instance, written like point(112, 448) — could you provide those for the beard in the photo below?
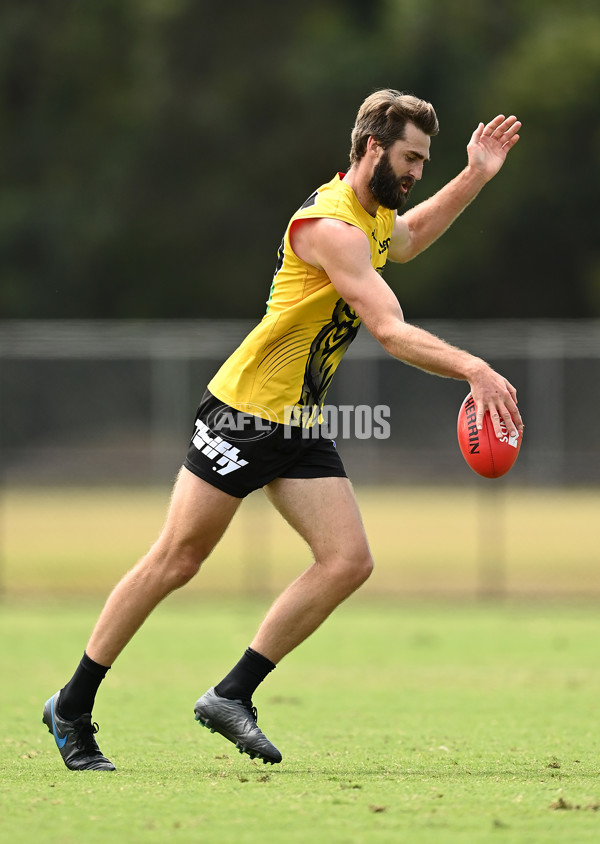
point(386, 187)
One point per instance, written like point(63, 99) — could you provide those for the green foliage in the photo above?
point(152, 152)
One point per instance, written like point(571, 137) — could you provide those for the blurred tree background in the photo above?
point(153, 150)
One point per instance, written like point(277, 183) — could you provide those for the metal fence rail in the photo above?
point(93, 401)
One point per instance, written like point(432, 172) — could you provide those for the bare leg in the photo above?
point(325, 513)
point(198, 516)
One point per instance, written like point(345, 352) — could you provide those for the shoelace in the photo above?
point(86, 730)
point(251, 709)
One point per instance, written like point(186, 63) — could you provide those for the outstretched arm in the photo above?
point(343, 252)
point(420, 226)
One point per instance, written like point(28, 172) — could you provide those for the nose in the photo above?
point(416, 171)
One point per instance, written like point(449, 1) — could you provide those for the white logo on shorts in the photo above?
point(215, 447)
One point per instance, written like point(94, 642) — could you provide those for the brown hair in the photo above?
point(384, 115)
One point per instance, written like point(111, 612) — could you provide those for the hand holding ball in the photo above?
point(486, 454)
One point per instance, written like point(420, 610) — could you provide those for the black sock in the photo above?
point(77, 697)
point(243, 679)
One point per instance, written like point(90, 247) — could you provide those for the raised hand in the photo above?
point(490, 144)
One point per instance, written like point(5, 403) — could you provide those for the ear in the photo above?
point(374, 147)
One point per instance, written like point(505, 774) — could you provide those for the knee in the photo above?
point(177, 564)
point(363, 567)
point(355, 569)
point(183, 566)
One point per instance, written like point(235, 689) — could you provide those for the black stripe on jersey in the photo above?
point(272, 347)
point(325, 353)
point(310, 201)
point(290, 359)
point(280, 361)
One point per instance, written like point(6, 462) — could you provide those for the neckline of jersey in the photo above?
point(355, 200)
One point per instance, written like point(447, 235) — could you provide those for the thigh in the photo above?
point(198, 513)
point(325, 513)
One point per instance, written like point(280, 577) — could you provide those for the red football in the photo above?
point(485, 453)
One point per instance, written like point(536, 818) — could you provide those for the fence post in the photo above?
point(170, 414)
point(491, 540)
point(544, 419)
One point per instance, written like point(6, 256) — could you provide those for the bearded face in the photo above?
point(388, 189)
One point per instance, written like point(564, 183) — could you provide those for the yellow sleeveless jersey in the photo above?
point(283, 368)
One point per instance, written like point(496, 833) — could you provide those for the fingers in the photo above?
point(504, 417)
point(508, 131)
point(503, 420)
point(503, 129)
point(480, 414)
point(512, 390)
point(511, 142)
point(476, 137)
point(512, 410)
point(493, 125)
point(503, 410)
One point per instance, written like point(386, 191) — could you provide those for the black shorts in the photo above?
point(238, 452)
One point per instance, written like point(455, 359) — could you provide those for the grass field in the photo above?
point(416, 722)
point(403, 719)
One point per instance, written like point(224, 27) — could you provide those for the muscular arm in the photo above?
point(420, 226)
point(343, 252)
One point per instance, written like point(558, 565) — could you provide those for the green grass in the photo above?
point(398, 722)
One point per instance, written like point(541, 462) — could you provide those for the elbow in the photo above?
point(403, 257)
point(386, 332)
point(411, 251)
point(409, 257)
point(405, 249)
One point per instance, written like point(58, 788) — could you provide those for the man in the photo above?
point(326, 282)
